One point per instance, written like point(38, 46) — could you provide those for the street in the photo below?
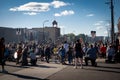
point(52, 71)
point(102, 72)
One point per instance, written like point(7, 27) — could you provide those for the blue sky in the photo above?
point(73, 16)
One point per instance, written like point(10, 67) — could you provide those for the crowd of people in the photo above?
point(64, 53)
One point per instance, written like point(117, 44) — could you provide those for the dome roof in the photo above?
point(54, 22)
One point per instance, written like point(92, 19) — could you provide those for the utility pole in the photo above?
point(112, 22)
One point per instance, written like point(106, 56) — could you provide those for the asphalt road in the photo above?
point(102, 72)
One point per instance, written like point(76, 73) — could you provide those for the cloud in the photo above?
point(64, 13)
point(32, 8)
point(57, 14)
point(31, 13)
point(62, 27)
point(106, 32)
point(107, 24)
point(58, 4)
point(102, 27)
point(99, 25)
point(90, 15)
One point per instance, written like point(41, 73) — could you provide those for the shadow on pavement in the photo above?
point(24, 76)
point(18, 66)
point(44, 66)
point(28, 66)
point(109, 67)
point(103, 69)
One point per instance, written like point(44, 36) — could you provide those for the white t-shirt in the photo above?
point(66, 46)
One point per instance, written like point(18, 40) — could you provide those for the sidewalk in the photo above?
point(47, 70)
point(39, 72)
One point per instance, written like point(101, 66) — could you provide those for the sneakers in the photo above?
point(75, 67)
point(81, 67)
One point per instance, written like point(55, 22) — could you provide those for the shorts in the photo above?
point(78, 54)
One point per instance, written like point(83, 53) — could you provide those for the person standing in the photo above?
point(78, 54)
point(55, 53)
point(110, 53)
point(62, 53)
point(24, 56)
point(33, 59)
point(103, 51)
point(70, 55)
point(66, 47)
point(2, 51)
point(47, 53)
point(19, 53)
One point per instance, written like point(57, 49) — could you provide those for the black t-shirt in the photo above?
point(78, 47)
point(2, 50)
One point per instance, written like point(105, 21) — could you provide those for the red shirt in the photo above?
point(103, 50)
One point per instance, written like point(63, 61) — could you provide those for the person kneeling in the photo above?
point(91, 55)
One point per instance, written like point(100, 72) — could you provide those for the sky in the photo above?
point(73, 16)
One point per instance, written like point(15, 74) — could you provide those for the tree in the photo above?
point(83, 36)
point(70, 37)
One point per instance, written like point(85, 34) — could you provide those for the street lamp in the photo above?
point(43, 30)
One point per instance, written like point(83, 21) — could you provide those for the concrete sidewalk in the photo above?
point(39, 72)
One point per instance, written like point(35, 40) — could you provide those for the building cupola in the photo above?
point(54, 23)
